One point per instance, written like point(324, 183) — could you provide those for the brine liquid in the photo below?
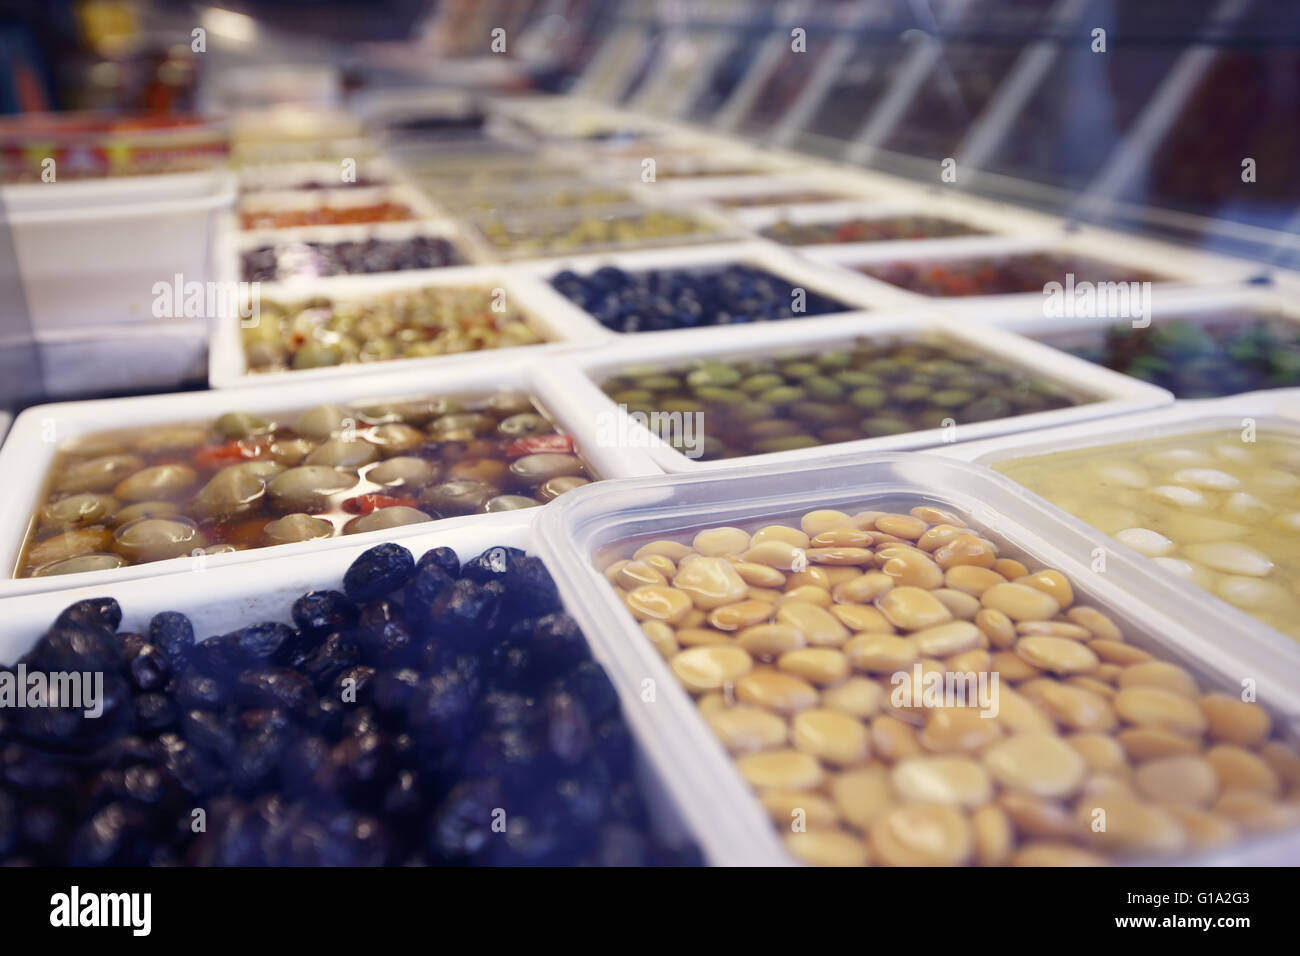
point(1215, 508)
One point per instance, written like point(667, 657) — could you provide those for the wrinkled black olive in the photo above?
point(377, 571)
point(463, 824)
point(93, 613)
point(444, 559)
point(318, 613)
point(149, 668)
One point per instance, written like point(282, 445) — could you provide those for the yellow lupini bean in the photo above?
point(817, 522)
point(779, 532)
point(817, 665)
point(857, 696)
point(880, 653)
point(708, 668)
point(859, 617)
point(827, 848)
point(673, 550)
point(770, 640)
point(945, 639)
point(818, 626)
point(759, 575)
point(1234, 721)
point(777, 691)
point(912, 608)
point(943, 779)
point(902, 526)
point(781, 769)
point(743, 729)
point(654, 603)
point(806, 809)
point(718, 542)
point(710, 582)
point(830, 735)
point(922, 835)
point(864, 588)
point(1040, 764)
point(1160, 708)
point(1060, 655)
point(776, 554)
point(734, 617)
point(1020, 602)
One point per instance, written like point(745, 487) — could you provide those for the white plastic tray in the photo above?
point(282, 200)
point(39, 431)
point(713, 229)
point(228, 367)
point(800, 272)
point(221, 599)
point(712, 793)
point(588, 407)
point(1176, 267)
point(86, 259)
point(258, 180)
point(993, 221)
point(1173, 303)
point(1278, 409)
point(234, 242)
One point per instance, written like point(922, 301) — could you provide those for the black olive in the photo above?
point(318, 613)
point(149, 668)
point(377, 571)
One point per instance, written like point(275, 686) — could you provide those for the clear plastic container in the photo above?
point(221, 599)
point(579, 534)
point(1275, 413)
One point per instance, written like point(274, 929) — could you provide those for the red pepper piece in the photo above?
point(540, 444)
point(365, 504)
point(231, 453)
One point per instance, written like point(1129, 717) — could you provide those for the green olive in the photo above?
point(242, 425)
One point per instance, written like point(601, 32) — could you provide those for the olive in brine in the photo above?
point(555, 487)
point(535, 469)
point(396, 438)
point(86, 562)
point(156, 539)
point(70, 544)
point(170, 438)
point(234, 490)
point(98, 474)
point(403, 471)
point(458, 497)
point(524, 425)
point(343, 453)
point(296, 527)
point(323, 421)
point(79, 510)
point(160, 481)
point(383, 518)
point(308, 487)
point(145, 509)
point(234, 425)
